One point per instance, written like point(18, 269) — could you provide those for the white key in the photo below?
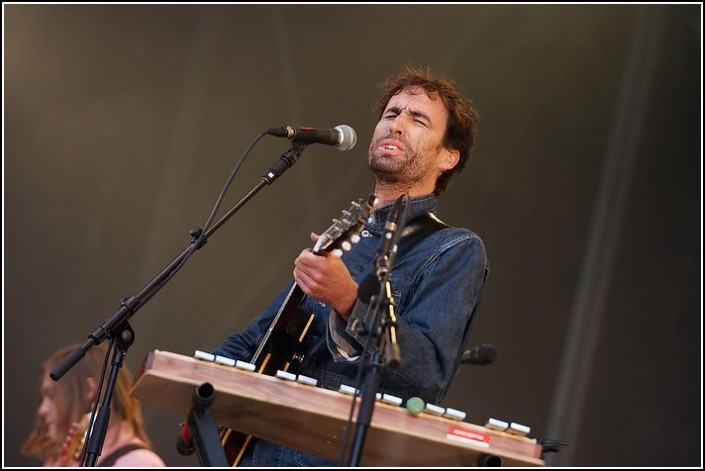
point(285, 375)
point(243, 365)
point(434, 410)
point(307, 380)
point(224, 360)
point(345, 389)
point(200, 355)
point(496, 424)
point(518, 429)
point(393, 400)
point(454, 414)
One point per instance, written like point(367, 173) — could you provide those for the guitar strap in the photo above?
point(414, 232)
point(417, 230)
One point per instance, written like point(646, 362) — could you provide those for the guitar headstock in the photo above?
point(345, 230)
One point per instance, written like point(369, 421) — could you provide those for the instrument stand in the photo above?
point(204, 430)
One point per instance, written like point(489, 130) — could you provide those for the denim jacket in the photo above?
point(436, 286)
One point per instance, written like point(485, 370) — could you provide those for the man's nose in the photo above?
point(397, 126)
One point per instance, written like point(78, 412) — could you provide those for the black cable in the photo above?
point(199, 233)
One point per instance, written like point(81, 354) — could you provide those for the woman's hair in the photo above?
point(71, 402)
point(463, 118)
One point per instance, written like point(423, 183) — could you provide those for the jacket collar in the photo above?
point(417, 205)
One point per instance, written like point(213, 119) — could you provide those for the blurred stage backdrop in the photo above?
point(122, 123)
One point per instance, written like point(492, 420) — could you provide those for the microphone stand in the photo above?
point(117, 327)
point(100, 427)
point(382, 335)
point(369, 385)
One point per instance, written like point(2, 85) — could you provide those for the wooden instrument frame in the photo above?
point(313, 419)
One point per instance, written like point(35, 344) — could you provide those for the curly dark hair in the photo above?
point(463, 118)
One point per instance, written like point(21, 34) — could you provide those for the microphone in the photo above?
point(480, 355)
point(343, 137)
point(367, 288)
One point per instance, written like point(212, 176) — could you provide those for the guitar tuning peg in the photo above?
point(335, 221)
point(346, 246)
point(337, 253)
point(355, 239)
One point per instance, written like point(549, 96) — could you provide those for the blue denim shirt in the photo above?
point(437, 287)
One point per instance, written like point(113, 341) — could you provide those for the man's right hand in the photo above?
point(326, 278)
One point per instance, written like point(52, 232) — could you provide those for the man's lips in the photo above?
point(391, 146)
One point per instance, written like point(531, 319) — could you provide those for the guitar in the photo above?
point(73, 444)
point(280, 348)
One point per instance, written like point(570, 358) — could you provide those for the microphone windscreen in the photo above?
point(349, 137)
point(368, 288)
point(480, 355)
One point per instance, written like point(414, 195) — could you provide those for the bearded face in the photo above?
point(397, 160)
point(407, 143)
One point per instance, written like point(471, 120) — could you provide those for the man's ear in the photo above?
point(449, 159)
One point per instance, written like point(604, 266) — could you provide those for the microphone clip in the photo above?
point(384, 260)
point(285, 162)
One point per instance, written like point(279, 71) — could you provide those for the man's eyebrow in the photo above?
point(415, 114)
point(394, 109)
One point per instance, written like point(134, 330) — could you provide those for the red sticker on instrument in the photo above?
point(464, 435)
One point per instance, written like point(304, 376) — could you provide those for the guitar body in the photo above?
point(281, 348)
